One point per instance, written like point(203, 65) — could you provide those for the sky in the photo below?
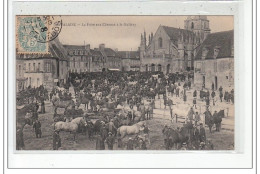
point(124, 32)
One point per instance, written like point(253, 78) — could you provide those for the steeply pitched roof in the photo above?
point(174, 33)
point(128, 54)
point(95, 52)
point(223, 40)
point(73, 47)
point(110, 53)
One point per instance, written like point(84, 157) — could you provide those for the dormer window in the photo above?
point(232, 51)
point(205, 52)
point(216, 52)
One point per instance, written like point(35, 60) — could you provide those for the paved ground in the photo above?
point(222, 140)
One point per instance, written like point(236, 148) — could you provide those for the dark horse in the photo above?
point(216, 119)
point(160, 90)
point(176, 137)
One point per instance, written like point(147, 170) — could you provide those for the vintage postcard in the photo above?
point(125, 83)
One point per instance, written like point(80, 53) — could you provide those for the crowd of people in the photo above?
point(131, 90)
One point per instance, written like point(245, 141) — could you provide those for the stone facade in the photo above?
point(214, 63)
point(83, 59)
point(79, 58)
point(43, 69)
point(20, 79)
point(130, 60)
point(173, 49)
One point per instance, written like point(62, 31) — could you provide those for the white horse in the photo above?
point(72, 126)
point(129, 130)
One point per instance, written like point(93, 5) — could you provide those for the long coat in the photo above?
point(202, 134)
point(56, 141)
point(100, 145)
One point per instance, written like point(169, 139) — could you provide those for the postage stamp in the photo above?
point(34, 33)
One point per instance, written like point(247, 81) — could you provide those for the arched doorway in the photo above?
point(159, 68)
point(168, 69)
point(152, 67)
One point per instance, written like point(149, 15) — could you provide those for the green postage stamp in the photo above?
point(34, 32)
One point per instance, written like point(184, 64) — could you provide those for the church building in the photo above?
point(172, 49)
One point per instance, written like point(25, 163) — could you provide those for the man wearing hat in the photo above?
point(202, 134)
point(100, 145)
point(110, 141)
point(165, 135)
point(197, 118)
point(130, 144)
point(56, 140)
point(142, 145)
point(111, 126)
point(190, 114)
point(37, 128)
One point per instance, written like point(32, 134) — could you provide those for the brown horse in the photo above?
point(209, 120)
point(82, 100)
point(62, 104)
point(177, 137)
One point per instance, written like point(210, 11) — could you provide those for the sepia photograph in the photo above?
point(157, 83)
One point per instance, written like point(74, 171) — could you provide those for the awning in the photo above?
point(113, 69)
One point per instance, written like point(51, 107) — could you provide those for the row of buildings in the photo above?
point(210, 56)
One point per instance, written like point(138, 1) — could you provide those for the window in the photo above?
point(159, 68)
point(38, 82)
point(39, 67)
point(48, 67)
point(34, 67)
point(160, 42)
point(153, 68)
point(30, 81)
point(192, 25)
point(216, 51)
point(74, 63)
point(232, 51)
point(29, 67)
point(204, 52)
point(20, 69)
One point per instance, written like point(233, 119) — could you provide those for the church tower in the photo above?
point(199, 25)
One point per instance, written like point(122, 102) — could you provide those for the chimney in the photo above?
point(88, 47)
point(101, 47)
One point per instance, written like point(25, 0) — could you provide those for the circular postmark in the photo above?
point(40, 29)
point(51, 28)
